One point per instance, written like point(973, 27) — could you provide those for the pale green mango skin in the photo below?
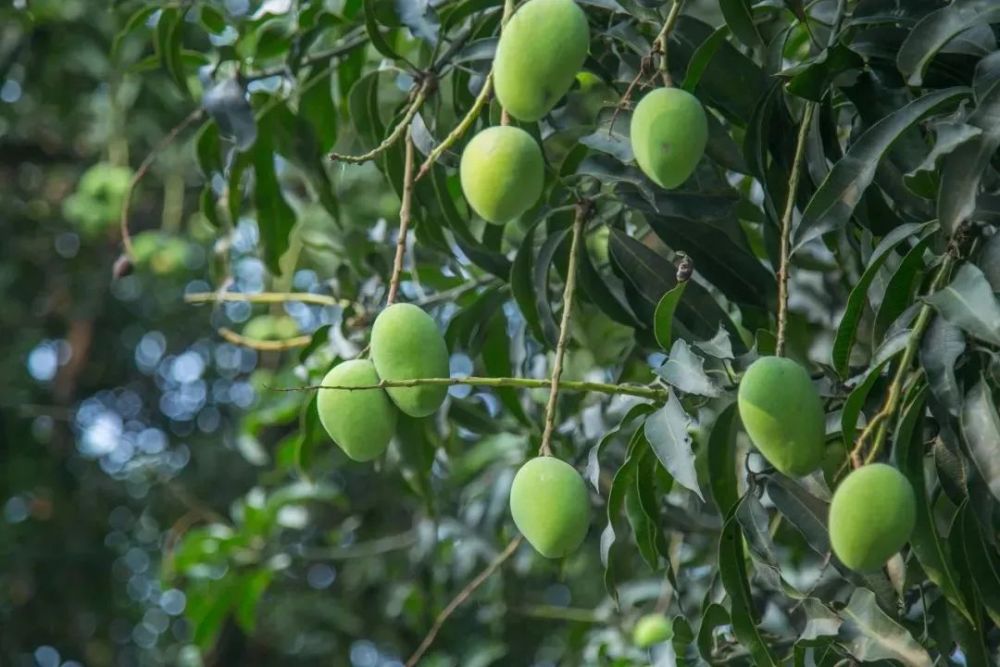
point(550, 506)
point(361, 422)
point(669, 131)
point(540, 51)
point(783, 415)
point(652, 629)
point(872, 516)
point(502, 173)
point(405, 345)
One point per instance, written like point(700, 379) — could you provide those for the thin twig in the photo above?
point(397, 133)
point(786, 227)
point(583, 210)
point(264, 345)
point(660, 45)
point(269, 297)
point(639, 391)
point(462, 596)
point(144, 166)
point(404, 222)
point(460, 129)
point(376, 547)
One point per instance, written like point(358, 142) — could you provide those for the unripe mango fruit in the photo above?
point(669, 131)
point(502, 173)
point(549, 503)
point(540, 51)
point(783, 415)
point(872, 516)
point(652, 629)
point(361, 422)
point(406, 344)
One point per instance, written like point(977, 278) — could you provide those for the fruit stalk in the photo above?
point(786, 227)
point(401, 128)
point(404, 221)
point(462, 596)
point(639, 391)
point(460, 129)
point(583, 210)
point(912, 345)
point(660, 44)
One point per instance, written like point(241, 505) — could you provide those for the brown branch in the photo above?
point(404, 222)
point(786, 228)
point(144, 166)
point(462, 596)
point(269, 297)
point(583, 210)
point(264, 345)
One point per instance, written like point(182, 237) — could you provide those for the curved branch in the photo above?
point(462, 596)
point(460, 129)
point(264, 345)
point(404, 222)
point(397, 132)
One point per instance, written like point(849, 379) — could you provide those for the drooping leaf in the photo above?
point(942, 345)
point(663, 318)
point(936, 29)
point(739, 17)
point(732, 569)
point(981, 428)
point(275, 217)
point(964, 167)
point(835, 199)
point(869, 633)
point(855, 402)
point(968, 302)
point(722, 460)
point(667, 433)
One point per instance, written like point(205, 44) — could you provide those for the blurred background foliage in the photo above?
point(163, 505)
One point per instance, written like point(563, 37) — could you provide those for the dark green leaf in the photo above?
point(663, 318)
point(685, 371)
point(870, 634)
point(835, 199)
point(942, 345)
point(275, 217)
point(739, 17)
point(714, 618)
point(937, 29)
point(981, 428)
point(968, 302)
point(722, 461)
point(855, 402)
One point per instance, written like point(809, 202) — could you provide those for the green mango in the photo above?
point(406, 344)
point(669, 131)
point(783, 415)
point(550, 506)
point(872, 516)
point(652, 629)
point(502, 173)
point(540, 51)
point(361, 422)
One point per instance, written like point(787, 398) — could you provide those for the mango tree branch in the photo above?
point(268, 297)
point(401, 128)
point(404, 221)
point(462, 596)
point(355, 39)
point(144, 166)
point(639, 391)
point(895, 393)
point(660, 45)
point(264, 345)
point(583, 210)
point(786, 227)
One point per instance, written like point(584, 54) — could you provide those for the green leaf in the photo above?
point(275, 217)
point(943, 343)
point(869, 634)
point(722, 460)
point(208, 150)
point(964, 167)
point(375, 35)
point(623, 481)
point(927, 544)
point(840, 192)
point(593, 472)
point(983, 562)
point(847, 330)
point(213, 19)
point(169, 35)
point(981, 428)
point(137, 20)
point(899, 292)
point(937, 29)
point(739, 17)
point(732, 569)
point(714, 617)
point(685, 371)
point(497, 361)
point(855, 402)
point(667, 433)
point(702, 56)
point(663, 318)
point(968, 302)
point(812, 78)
